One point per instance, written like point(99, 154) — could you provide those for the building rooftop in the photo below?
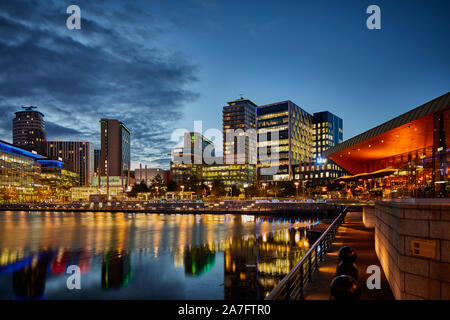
point(8, 147)
point(409, 131)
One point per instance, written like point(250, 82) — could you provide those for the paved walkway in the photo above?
point(351, 233)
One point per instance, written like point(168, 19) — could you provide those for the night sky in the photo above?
point(159, 65)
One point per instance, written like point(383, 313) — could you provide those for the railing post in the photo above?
point(301, 282)
point(317, 259)
point(321, 250)
point(309, 268)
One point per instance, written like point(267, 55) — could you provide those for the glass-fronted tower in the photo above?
point(29, 130)
point(328, 132)
point(239, 132)
point(284, 129)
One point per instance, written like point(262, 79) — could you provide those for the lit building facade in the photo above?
point(285, 134)
point(239, 132)
point(56, 181)
point(327, 132)
point(19, 174)
point(187, 161)
point(28, 177)
point(29, 130)
point(230, 175)
point(408, 156)
point(78, 156)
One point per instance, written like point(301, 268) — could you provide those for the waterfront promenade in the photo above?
point(350, 233)
point(282, 207)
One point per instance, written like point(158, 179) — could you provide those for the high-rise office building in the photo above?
point(78, 156)
point(29, 130)
point(284, 140)
point(327, 132)
point(115, 157)
point(239, 132)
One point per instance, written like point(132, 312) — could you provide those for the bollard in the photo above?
point(346, 265)
point(347, 268)
point(347, 254)
point(344, 288)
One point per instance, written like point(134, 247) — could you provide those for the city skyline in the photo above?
point(178, 78)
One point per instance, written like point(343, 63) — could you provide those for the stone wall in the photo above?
point(412, 242)
point(369, 217)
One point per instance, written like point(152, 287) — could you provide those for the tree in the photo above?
point(138, 188)
point(235, 191)
point(253, 191)
point(172, 186)
point(218, 188)
point(287, 189)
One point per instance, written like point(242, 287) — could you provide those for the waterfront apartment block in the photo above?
point(239, 132)
point(285, 139)
point(78, 156)
point(29, 130)
point(115, 158)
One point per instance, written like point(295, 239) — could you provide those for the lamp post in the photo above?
point(264, 188)
point(245, 190)
point(157, 193)
point(182, 192)
point(210, 188)
point(296, 188)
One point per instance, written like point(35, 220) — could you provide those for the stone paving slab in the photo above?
point(351, 233)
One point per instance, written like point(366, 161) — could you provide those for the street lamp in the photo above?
point(182, 191)
point(245, 189)
point(157, 193)
point(296, 188)
point(264, 187)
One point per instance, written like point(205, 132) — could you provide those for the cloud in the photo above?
point(113, 67)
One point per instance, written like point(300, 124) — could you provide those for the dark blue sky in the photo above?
point(160, 65)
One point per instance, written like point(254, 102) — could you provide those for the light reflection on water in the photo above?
point(146, 256)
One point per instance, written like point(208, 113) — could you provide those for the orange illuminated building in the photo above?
point(408, 156)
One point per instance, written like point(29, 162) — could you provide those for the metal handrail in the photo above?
point(292, 285)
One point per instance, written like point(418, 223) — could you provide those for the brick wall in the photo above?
point(412, 242)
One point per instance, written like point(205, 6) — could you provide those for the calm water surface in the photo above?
point(146, 256)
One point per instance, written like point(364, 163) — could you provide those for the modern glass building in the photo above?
point(408, 156)
point(29, 130)
point(285, 134)
point(19, 174)
point(327, 132)
point(230, 175)
point(239, 132)
point(187, 161)
point(57, 182)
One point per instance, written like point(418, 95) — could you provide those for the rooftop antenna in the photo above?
point(241, 97)
point(30, 108)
